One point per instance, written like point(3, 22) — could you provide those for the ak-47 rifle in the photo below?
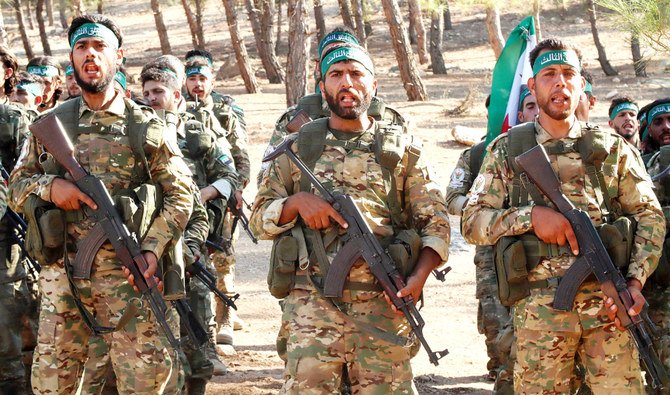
point(592, 258)
point(360, 243)
point(199, 271)
point(49, 131)
point(196, 333)
point(239, 216)
point(20, 228)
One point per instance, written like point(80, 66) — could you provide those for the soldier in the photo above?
point(527, 106)
point(623, 119)
point(587, 100)
point(219, 116)
point(10, 68)
point(498, 211)
point(322, 340)
point(71, 85)
point(125, 146)
point(48, 70)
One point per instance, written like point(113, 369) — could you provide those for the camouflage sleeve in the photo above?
point(459, 185)
point(487, 215)
point(3, 198)
point(167, 168)
point(424, 199)
point(269, 203)
point(637, 199)
point(29, 177)
point(197, 228)
point(238, 143)
point(220, 168)
point(278, 135)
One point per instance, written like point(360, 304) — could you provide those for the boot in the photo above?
point(196, 386)
point(225, 332)
point(238, 324)
point(219, 367)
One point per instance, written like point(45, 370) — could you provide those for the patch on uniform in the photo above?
point(477, 187)
point(457, 178)
point(226, 160)
point(266, 164)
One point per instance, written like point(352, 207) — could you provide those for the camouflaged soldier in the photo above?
point(220, 117)
point(322, 340)
point(124, 145)
point(499, 211)
point(656, 289)
point(48, 71)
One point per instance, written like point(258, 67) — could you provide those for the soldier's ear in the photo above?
point(119, 56)
point(177, 94)
point(531, 86)
point(9, 72)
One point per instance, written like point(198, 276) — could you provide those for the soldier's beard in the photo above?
point(97, 86)
point(348, 113)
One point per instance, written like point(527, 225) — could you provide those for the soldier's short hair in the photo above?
point(199, 53)
point(95, 18)
point(197, 62)
point(9, 61)
point(618, 100)
point(171, 63)
point(160, 75)
point(553, 44)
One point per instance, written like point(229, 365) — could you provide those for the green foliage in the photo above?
point(649, 19)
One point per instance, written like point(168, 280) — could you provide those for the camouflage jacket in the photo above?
point(107, 154)
point(488, 215)
point(459, 184)
point(357, 173)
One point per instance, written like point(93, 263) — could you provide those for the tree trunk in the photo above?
point(99, 6)
point(22, 29)
point(298, 51)
point(279, 22)
point(39, 15)
point(50, 12)
point(267, 17)
point(79, 7)
point(192, 25)
point(403, 52)
point(437, 61)
point(319, 21)
point(345, 10)
point(639, 63)
point(536, 18)
point(61, 14)
point(3, 29)
point(160, 27)
point(240, 50)
point(493, 29)
point(29, 15)
point(447, 17)
point(199, 24)
point(415, 14)
point(411, 31)
point(602, 55)
point(360, 25)
point(264, 47)
point(367, 26)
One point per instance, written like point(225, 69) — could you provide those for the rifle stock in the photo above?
point(592, 258)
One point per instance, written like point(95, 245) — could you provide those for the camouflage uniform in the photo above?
point(15, 298)
point(547, 340)
point(492, 316)
point(142, 359)
point(322, 339)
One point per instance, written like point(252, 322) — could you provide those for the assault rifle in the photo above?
point(199, 271)
point(19, 234)
point(54, 138)
point(360, 243)
point(592, 258)
point(240, 217)
point(196, 333)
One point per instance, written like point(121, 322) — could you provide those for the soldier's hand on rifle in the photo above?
point(152, 266)
point(635, 289)
point(239, 201)
point(552, 227)
point(208, 193)
point(67, 196)
point(428, 260)
point(314, 211)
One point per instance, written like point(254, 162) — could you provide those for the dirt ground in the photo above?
point(450, 311)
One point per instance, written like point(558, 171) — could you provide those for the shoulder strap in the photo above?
point(477, 157)
point(311, 141)
point(138, 126)
point(593, 147)
point(520, 139)
point(312, 104)
point(68, 114)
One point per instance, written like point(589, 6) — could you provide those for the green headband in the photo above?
point(69, 70)
point(556, 57)
point(94, 30)
point(337, 37)
point(524, 94)
point(202, 70)
point(31, 87)
point(657, 110)
point(43, 71)
point(347, 53)
point(172, 73)
point(200, 57)
point(121, 79)
point(625, 106)
point(588, 88)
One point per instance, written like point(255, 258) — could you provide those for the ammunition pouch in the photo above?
point(511, 267)
point(173, 267)
point(45, 237)
point(138, 207)
point(283, 264)
point(216, 215)
point(405, 251)
point(618, 240)
point(198, 141)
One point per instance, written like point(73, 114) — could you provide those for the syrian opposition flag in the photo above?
point(511, 71)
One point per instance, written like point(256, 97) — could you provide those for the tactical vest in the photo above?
point(477, 153)
point(661, 275)
point(228, 101)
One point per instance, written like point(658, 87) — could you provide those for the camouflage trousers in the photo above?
point(492, 316)
point(202, 303)
point(547, 341)
point(224, 261)
point(658, 297)
point(322, 341)
point(141, 358)
point(14, 300)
